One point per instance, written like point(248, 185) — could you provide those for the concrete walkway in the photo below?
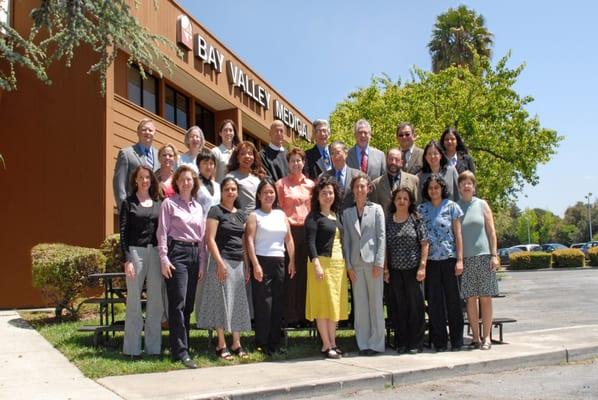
point(30, 368)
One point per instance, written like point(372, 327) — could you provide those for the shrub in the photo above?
point(115, 258)
point(564, 258)
point(61, 272)
point(593, 255)
point(529, 260)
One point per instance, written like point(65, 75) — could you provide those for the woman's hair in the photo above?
point(232, 123)
point(296, 151)
point(392, 208)
point(360, 175)
point(224, 182)
point(265, 182)
point(460, 145)
point(201, 136)
point(154, 189)
point(443, 160)
point(438, 179)
point(233, 163)
point(205, 155)
point(321, 184)
point(465, 175)
point(168, 146)
point(177, 174)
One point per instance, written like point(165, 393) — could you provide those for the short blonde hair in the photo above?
point(467, 175)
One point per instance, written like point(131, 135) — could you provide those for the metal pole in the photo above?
point(529, 236)
point(589, 195)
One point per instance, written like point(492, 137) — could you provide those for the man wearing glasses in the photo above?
point(317, 159)
point(412, 155)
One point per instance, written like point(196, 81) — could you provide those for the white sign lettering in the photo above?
point(247, 85)
point(282, 113)
point(208, 53)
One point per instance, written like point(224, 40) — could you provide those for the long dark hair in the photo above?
point(260, 187)
point(321, 184)
point(154, 189)
point(226, 180)
point(438, 179)
point(412, 209)
point(233, 163)
point(443, 160)
point(460, 145)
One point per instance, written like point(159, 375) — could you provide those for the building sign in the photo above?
point(282, 113)
point(208, 53)
point(240, 79)
point(184, 32)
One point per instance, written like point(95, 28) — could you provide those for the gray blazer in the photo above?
point(347, 199)
point(127, 160)
point(376, 161)
point(416, 161)
point(381, 190)
point(365, 242)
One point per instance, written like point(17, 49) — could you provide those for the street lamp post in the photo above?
point(588, 197)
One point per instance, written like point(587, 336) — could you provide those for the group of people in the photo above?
point(279, 236)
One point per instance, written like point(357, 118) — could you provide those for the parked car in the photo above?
point(528, 247)
point(577, 246)
point(587, 246)
point(550, 247)
point(504, 253)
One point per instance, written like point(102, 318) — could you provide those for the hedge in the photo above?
point(529, 260)
point(61, 272)
point(593, 255)
point(568, 258)
point(115, 258)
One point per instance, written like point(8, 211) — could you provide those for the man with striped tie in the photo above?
point(364, 157)
point(129, 158)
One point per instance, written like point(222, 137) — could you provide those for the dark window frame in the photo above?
point(143, 82)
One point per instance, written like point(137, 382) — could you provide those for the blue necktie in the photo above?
point(149, 160)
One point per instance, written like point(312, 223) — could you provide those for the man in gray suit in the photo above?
point(341, 172)
point(413, 156)
point(383, 186)
point(364, 157)
point(129, 158)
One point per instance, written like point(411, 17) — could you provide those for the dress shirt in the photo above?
point(394, 180)
point(275, 147)
point(407, 154)
point(343, 175)
point(182, 221)
point(358, 151)
point(325, 154)
point(453, 161)
point(294, 197)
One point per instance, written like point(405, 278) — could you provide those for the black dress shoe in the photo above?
point(188, 362)
point(402, 349)
point(365, 352)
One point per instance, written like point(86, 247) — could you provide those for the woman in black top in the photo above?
point(224, 302)
point(327, 283)
point(138, 223)
point(455, 151)
point(407, 252)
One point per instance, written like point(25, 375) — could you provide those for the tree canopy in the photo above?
point(506, 142)
point(59, 27)
point(458, 36)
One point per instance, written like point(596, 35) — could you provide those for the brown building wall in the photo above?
point(52, 138)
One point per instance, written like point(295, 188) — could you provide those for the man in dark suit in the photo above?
point(274, 156)
point(413, 156)
point(364, 157)
point(342, 173)
point(383, 186)
point(129, 158)
point(317, 159)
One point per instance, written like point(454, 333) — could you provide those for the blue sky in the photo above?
point(317, 52)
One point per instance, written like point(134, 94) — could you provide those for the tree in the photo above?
point(459, 35)
point(59, 27)
point(577, 216)
point(505, 141)
point(527, 227)
point(504, 223)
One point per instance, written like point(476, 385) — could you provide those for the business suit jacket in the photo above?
point(382, 190)
point(416, 161)
point(127, 160)
point(346, 193)
point(464, 163)
point(314, 164)
point(376, 161)
point(365, 242)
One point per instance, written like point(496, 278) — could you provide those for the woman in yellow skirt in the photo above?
point(327, 284)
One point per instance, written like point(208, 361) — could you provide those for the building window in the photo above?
point(256, 142)
point(176, 107)
point(204, 118)
point(143, 92)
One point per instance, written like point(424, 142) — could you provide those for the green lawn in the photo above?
point(98, 362)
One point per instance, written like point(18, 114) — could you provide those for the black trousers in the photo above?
point(442, 288)
point(268, 303)
point(181, 296)
point(296, 288)
point(408, 318)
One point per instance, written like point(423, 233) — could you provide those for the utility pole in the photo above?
point(588, 197)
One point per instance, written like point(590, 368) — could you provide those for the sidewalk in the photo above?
point(32, 369)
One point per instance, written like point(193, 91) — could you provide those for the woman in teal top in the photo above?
point(480, 259)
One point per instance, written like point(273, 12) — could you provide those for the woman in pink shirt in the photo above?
point(294, 198)
point(167, 157)
point(183, 257)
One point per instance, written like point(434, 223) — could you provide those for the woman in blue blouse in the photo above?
point(445, 264)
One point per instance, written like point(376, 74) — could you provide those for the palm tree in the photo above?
point(458, 35)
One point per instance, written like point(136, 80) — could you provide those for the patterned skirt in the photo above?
point(478, 278)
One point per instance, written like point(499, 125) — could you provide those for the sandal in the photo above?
point(224, 354)
point(338, 350)
point(487, 345)
point(240, 352)
point(474, 345)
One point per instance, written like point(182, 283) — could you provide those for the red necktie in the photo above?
point(364, 161)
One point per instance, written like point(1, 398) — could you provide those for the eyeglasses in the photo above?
point(403, 135)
